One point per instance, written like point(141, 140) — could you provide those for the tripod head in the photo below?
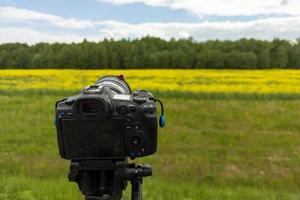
point(106, 179)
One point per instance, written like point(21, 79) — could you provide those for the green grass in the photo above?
point(225, 147)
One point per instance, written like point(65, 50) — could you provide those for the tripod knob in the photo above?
point(147, 170)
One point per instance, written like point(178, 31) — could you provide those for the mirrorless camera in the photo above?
point(107, 121)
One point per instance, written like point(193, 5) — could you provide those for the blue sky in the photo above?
point(33, 21)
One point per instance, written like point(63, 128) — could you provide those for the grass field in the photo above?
point(230, 134)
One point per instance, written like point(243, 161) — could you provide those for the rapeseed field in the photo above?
point(230, 134)
point(196, 81)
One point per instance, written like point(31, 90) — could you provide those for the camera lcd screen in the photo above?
point(93, 138)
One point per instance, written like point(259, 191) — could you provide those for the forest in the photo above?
point(151, 52)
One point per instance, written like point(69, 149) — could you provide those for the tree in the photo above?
point(151, 52)
point(210, 59)
point(279, 53)
point(263, 59)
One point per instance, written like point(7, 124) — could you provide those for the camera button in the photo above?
point(137, 127)
point(132, 154)
point(146, 109)
point(128, 119)
point(128, 126)
point(140, 100)
point(122, 110)
point(135, 141)
point(132, 108)
point(151, 109)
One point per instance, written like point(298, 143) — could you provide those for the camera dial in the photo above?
point(135, 141)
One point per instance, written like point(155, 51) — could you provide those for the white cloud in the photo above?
point(281, 27)
point(30, 36)
point(18, 14)
point(223, 7)
point(285, 27)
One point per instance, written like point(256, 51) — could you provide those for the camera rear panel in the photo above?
point(91, 126)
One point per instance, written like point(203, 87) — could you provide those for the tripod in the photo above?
point(106, 179)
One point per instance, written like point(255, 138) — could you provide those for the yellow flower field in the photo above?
point(205, 81)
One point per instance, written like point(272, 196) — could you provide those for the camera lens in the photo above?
point(115, 83)
point(135, 141)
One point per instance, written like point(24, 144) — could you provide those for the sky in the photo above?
point(33, 21)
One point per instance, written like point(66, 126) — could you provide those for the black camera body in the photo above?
point(107, 121)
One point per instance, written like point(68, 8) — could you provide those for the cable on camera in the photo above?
point(162, 121)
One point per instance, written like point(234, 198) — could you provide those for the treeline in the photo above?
point(152, 52)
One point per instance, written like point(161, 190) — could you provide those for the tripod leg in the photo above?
point(136, 190)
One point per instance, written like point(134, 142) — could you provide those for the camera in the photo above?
point(107, 121)
point(99, 129)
